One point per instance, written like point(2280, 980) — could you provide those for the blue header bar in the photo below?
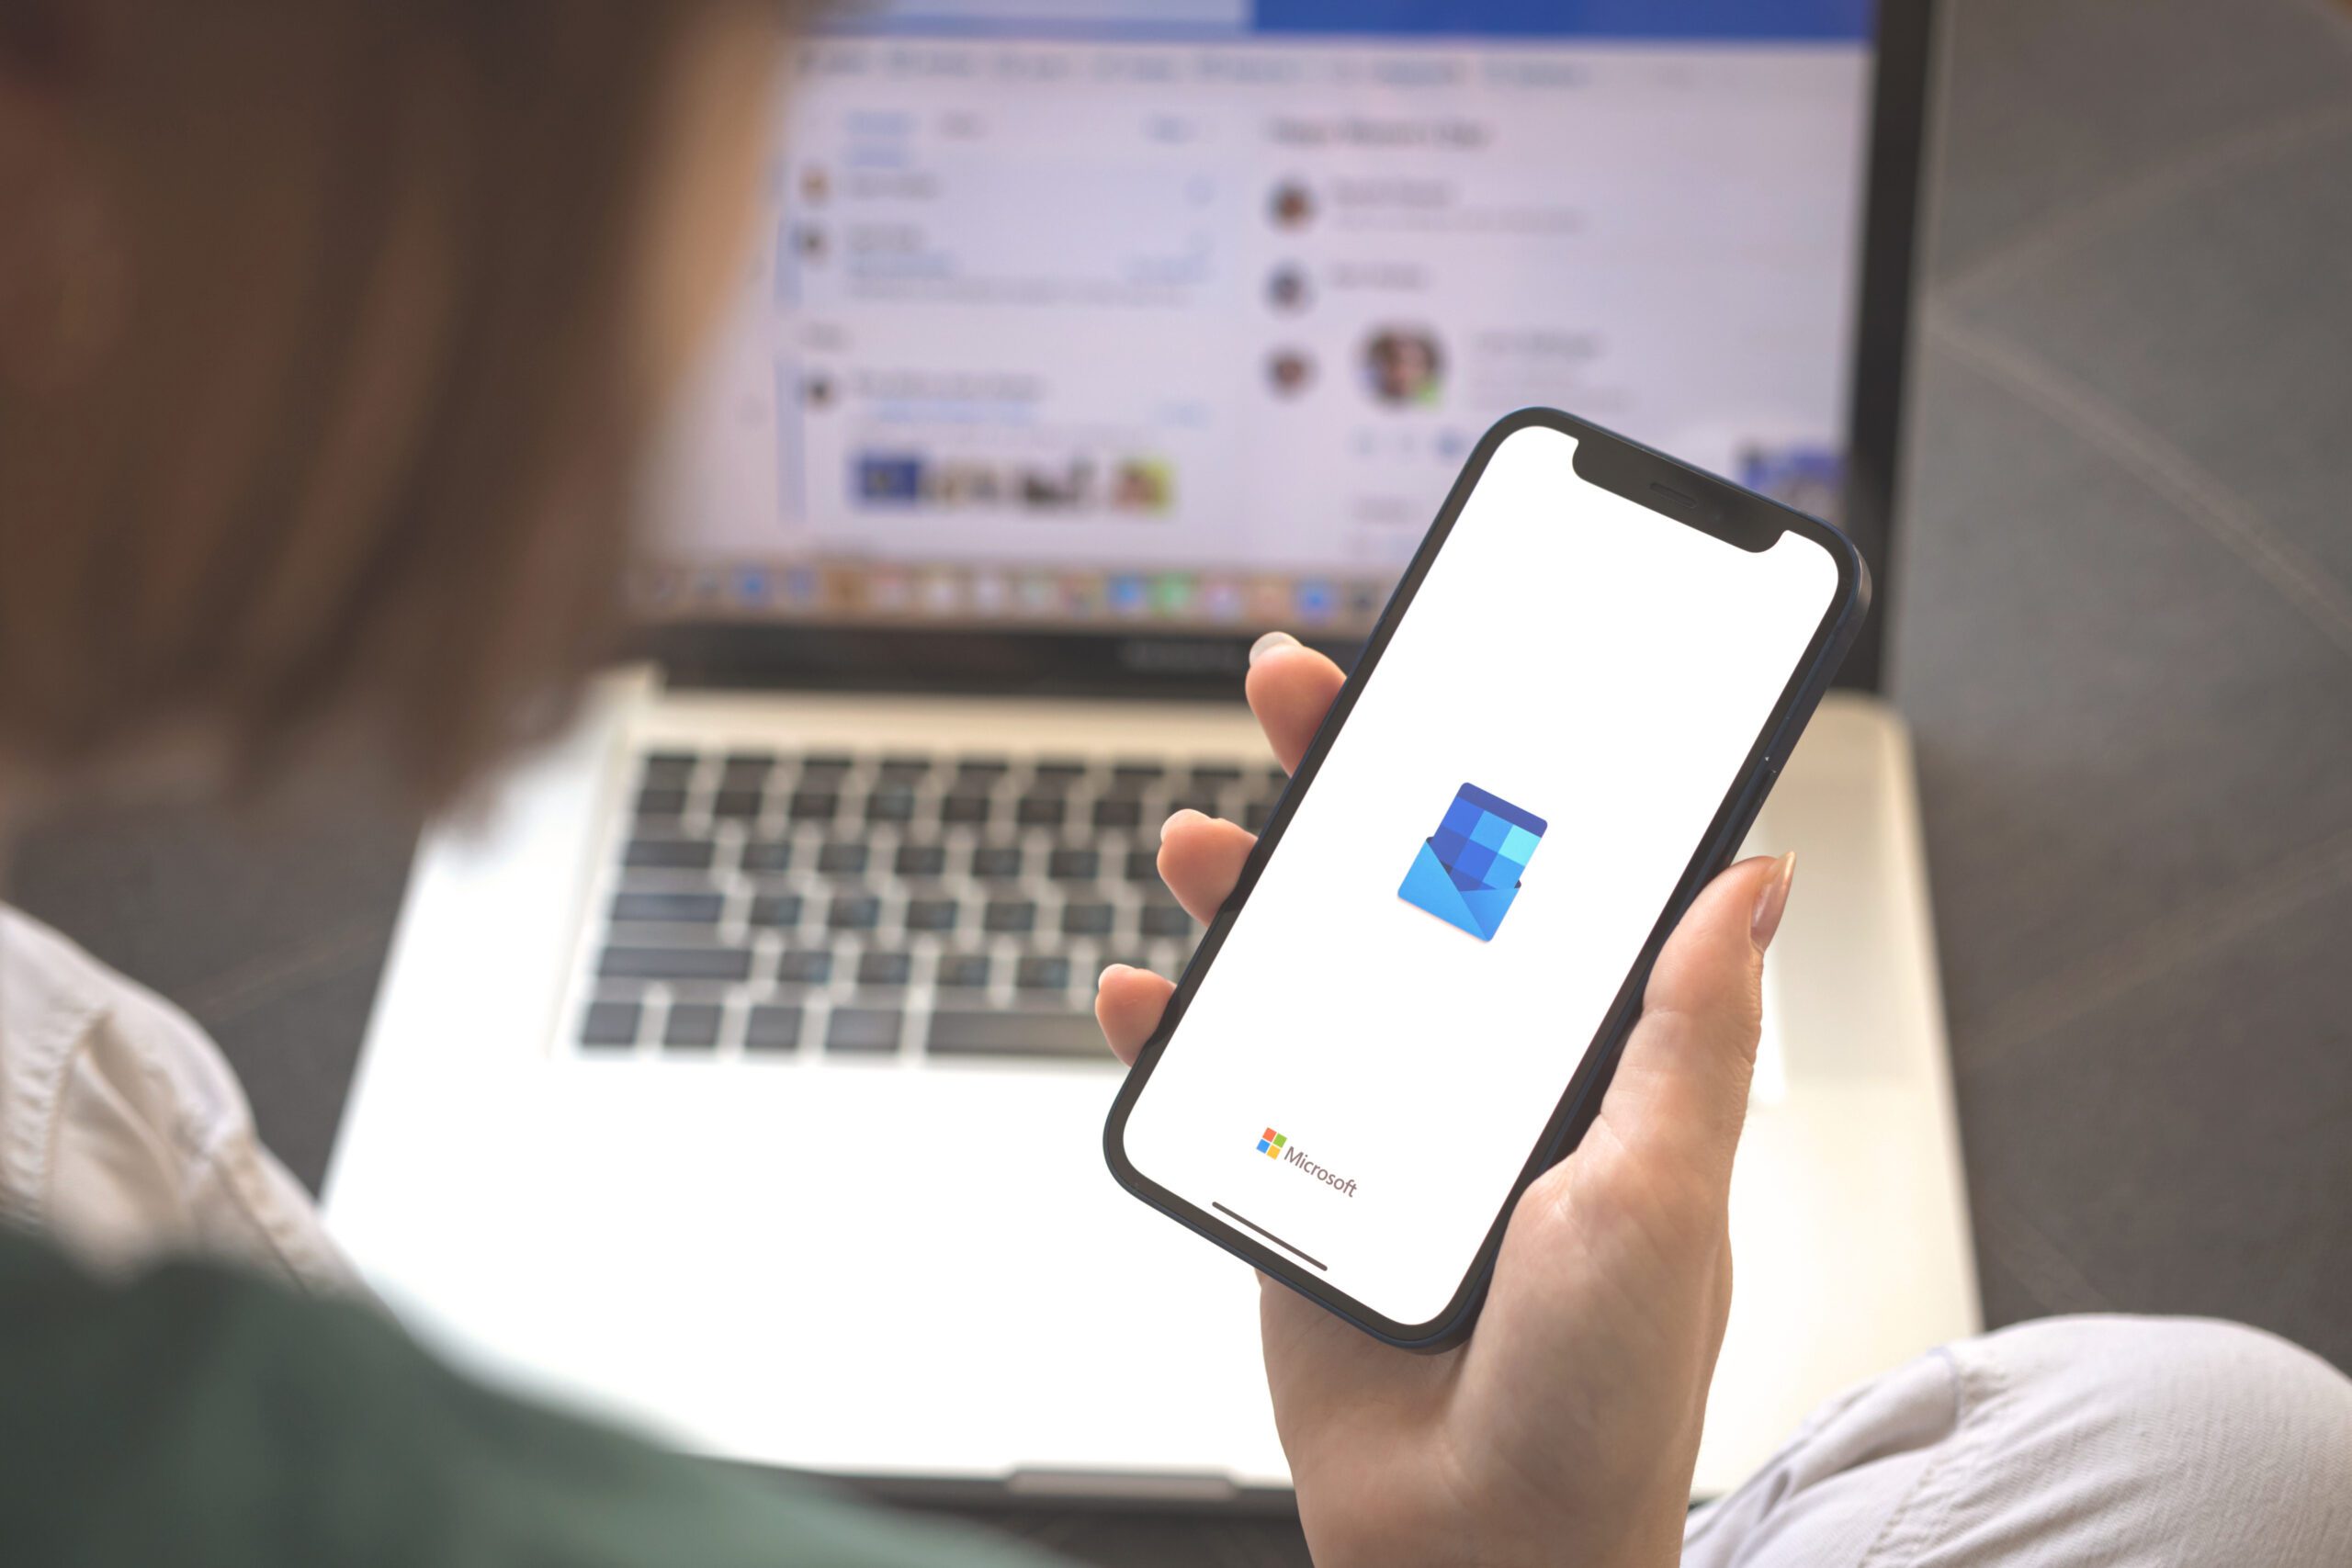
point(1683, 21)
point(1668, 21)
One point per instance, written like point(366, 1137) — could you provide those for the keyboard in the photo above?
point(765, 904)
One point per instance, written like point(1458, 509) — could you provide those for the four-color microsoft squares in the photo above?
point(1272, 1144)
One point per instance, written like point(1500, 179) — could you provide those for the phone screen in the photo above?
point(1376, 1049)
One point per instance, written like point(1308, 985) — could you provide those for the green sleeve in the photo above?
point(196, 1416)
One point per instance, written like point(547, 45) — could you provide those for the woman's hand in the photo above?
point(1566, 1429)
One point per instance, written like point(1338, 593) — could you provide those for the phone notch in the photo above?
point(1696, 499)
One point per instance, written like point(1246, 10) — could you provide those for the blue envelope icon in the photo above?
point(1468, 873)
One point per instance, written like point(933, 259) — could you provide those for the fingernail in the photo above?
point(1108, 970)
point(1176, 816)
point(1771, 900)
point(1271, 641)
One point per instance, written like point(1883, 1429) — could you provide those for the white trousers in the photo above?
point(2120, 1441)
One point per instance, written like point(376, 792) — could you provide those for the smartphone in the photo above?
point(1561, 727)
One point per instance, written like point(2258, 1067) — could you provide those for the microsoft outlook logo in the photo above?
point(1466, 874)
point(1270, 1145)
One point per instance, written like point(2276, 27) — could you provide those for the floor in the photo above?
point(2125, 642)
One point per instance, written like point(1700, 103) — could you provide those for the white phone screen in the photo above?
point(1378, 1044)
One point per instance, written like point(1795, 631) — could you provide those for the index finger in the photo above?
point(1291, 687)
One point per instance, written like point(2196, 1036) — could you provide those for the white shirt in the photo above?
point(123, 1135)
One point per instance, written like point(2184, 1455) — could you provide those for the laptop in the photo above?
point(734, 1072)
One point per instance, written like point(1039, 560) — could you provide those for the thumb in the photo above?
point(1681, 1092)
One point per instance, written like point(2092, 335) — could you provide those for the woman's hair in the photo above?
point(357, 464)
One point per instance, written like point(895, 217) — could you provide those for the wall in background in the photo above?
point(2125, 640)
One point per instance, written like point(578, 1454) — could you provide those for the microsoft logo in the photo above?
point(1273, 1145)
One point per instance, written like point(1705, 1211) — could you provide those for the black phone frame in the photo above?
point(1676, 493)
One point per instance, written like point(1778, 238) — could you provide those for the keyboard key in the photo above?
point(669, 767)
point(1088, 919)
point(843, 860)
point(1041, 811)
point(1195, 801)
point(920, 860)
point(905, 770)
point(1058, 770)
point(1165, 920)
point(965, 1033)
point(1211, 777)
point(814, 804)
point(767, 855)
point(967, 971)
point(1136, 775)
point(675, 964)
point(997, 863)
point(656, 800)
point(1257, 814)
point(856, 912)
point(862, 1029)
point(683, 909)
point(982, 768)
point(746, 771)
point(883, 969)
point(749, 759)
point(1113, 812)
point(692, 1024)
point(1042, 972)
point(668, 854)
point(739, 804)
point(1074, 865)
point(772, 1029)
point(805, 966)
point(773, 909)
point(1143, 865)
point(960, 809)
point(827, 763)
point(933, 914)
point(610, 1023)
point(1009, 915)
point(890, 804)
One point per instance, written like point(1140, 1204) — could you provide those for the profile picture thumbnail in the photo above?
point(1290, 371)
point(1291, 206)
point(1404, 366)
point(1287, 289)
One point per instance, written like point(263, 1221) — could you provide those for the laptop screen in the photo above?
point(1087, 314)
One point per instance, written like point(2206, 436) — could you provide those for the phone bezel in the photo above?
point(1712, 505)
